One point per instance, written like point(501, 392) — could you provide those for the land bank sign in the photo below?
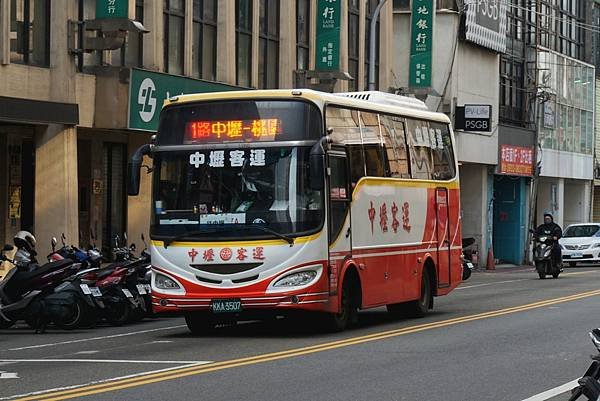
point(474, 117)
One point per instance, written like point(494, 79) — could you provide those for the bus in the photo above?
point(300, 203)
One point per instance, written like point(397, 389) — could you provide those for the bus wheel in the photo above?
point(417, 308)
point(420, 307)
point(336, 322)
point(200, 323)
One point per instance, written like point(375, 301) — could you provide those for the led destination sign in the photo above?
point(232, 130)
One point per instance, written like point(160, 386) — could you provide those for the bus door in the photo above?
point(443, 237)
point(340, 234)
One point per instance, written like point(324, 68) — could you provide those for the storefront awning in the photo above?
point(16, 110)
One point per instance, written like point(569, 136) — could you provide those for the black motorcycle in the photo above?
point(542, 256)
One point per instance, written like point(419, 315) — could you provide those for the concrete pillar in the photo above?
point(588, 201)
point(386, 35)
point(255, 43)
point(62, 63)
point(226, 42)
point(559, 217)
point(56, 197)
point(139, 207)
point(362, 27)
point(287, 43)
point(4, 32)
point(154, 40)
point(188, 38)
point(340, 86)
point(474, 204)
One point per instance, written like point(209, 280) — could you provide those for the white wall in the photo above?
point(474, 203)
point(567, 165)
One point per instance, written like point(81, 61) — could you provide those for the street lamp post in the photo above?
point(372, 35)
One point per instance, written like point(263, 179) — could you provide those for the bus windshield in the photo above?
point(247, 192)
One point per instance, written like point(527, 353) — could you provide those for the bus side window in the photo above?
point(372, 144)
point(346, 131)
point(443, 156)
point(392, 129)
point(419, 143)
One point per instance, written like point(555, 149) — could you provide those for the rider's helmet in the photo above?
point(25, 240)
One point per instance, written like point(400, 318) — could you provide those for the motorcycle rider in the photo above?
point(550, 228)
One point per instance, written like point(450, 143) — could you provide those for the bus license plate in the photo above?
point(226, 305)
point(577, 255)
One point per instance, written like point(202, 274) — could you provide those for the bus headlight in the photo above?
point(165, 283)
point(296, 279)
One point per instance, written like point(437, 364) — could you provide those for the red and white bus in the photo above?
point(287, 201)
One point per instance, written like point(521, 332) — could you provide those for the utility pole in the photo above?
point(372, 36)
point(533, 103)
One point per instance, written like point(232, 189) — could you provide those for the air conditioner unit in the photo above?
point(386, 98)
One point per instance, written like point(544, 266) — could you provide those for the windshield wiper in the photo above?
point(220, 228)
point(185, 234)
point(284, 237)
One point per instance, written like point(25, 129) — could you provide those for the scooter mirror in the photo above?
point(53, 241)
point(63, 238)
point(7, 247)
point(132, 247)
point(595, 336)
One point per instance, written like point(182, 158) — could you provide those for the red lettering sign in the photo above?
point(208, 255)
point(371, 213)
point(192, 254)
point(226, 254)
point(241, 254)
point(406, 217)
point(258, 253)
point(383, 218)
point(395, 222)
point(516, 160)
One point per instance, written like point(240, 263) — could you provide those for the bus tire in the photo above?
point(421, 306)
point(336, 322)
point(200, 323)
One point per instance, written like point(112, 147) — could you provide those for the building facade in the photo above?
point(463, 73)
point(70, 115)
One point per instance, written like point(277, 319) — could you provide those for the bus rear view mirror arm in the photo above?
point(317, 164)
point(134, 167)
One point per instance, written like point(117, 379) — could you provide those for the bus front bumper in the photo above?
point(313, 301)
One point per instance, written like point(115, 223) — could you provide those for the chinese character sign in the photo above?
point(232, 130)
point(421, 24)
point(112, 8)
point(328, 35)
point(233, 158)
point(516, 160)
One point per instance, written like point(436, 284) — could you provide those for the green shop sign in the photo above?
point(328, 35)
point(148, 91)
point(421, 27)
point(112, 9)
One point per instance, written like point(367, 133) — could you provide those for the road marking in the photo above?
point(291, 353)
point(82, 340)
point(521, 279)
point(498, 282)
point(553, 392)
point(8, 375)
point(34, 393)
point(106, 361)
point(87, 352)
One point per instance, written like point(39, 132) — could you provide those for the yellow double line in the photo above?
point(196, 370)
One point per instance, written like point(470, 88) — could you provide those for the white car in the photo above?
point(581, 243)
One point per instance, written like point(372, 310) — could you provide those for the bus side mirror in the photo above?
point(133, 169)
point(317, 164)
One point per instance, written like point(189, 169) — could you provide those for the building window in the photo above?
point(302, 35)
point(204, 44)
point(243, 49)
point(268, 47)
point(512, 91)
point(174, 15)
point(353, 18)
point(371, 6)
point(30, 32)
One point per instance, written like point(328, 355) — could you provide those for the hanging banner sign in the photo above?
point(328, 35)
point(421, 43)
point(516, 160)
point(112, 9)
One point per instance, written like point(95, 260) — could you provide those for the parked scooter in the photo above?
point(467, 263)
point(542, 256)
point(37, 294)
point(589, 384)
